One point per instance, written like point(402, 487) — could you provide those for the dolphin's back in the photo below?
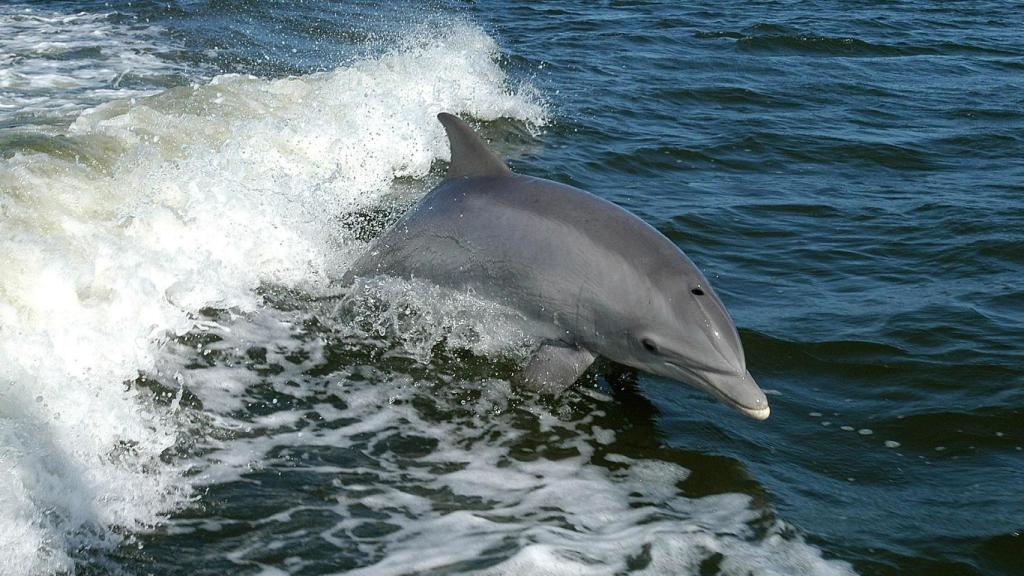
point(533, 243)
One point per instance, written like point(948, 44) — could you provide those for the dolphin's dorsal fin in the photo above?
point(470, 156)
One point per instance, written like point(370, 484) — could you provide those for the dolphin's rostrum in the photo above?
point(592, 278)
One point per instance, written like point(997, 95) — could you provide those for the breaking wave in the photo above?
point(143, 211)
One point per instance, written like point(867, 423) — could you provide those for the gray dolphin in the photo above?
point(591, 277)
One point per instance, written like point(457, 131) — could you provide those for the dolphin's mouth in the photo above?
point(737, 390)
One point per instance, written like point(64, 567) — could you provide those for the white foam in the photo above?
point(193, 197)
point(54, 64)
point(517, 514)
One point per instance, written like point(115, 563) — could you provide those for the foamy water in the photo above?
point(191, 198)
point(399, 471)
point(55, 64)
point(141, 241)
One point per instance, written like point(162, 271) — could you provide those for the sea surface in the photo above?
point(183, 390)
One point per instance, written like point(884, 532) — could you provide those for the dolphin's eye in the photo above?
point(649, 346)
point(697, 292)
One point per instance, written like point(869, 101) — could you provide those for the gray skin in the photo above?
point(592, 278)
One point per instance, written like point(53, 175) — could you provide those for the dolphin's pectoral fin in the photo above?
point(555, 366)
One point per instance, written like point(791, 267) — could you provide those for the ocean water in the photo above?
point(181, 390)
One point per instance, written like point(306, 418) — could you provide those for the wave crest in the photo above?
point(193, 197)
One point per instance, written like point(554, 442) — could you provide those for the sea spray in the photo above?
point(190, 198)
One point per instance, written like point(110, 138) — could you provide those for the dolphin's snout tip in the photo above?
point(754, 402)
point(757, 413)
point(740, 392)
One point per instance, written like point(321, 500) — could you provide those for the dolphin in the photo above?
point(591, 278)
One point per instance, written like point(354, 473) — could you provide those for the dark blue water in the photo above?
point(849, 176)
